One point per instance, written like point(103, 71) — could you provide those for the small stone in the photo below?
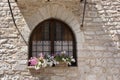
point(2, 41)
point(2, 51)
point(91, 77)
point(9, 46)
point(1, 72)
point(97, 70)
point(57, 78)
point(19, 67)
point(5, 66)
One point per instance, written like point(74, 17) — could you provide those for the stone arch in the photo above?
point(59, 12)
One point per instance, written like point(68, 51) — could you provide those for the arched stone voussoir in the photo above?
point(70, 17)
point(43, 11)
point(26, 33)
point(34, 20)
point(59, 12)
point(53, 10)
point(73, 22)
point(64, 15)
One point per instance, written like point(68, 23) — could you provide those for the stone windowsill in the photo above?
point(32, 67)
point(51, 70)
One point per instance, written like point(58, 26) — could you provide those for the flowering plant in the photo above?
point(41, 61)
point(63, 57)
point(47, 60)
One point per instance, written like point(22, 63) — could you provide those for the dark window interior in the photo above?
point(50, 37)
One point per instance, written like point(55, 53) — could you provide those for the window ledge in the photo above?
point(32, 67)
point(49, 70)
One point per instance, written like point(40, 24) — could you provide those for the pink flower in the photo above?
point(33, 61)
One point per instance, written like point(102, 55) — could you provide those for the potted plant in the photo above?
point(59, 59)
point(41, 61)
point(63, 59)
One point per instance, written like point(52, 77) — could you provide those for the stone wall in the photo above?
point(109, 11)
point(98, 56)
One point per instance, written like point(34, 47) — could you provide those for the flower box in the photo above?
point(34, 71)
point(57, 60)
point(61, 64)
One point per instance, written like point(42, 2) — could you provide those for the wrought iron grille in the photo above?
point(50, 37)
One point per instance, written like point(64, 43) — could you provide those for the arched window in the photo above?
point(50, 37)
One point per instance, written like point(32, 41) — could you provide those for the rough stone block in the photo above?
point(58, 78)
point(91, 77)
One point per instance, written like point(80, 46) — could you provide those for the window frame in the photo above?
point(67, 27)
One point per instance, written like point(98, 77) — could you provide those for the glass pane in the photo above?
point(46, 43)
point(70, 42)
point(58, 48)
point(70, 48)
point(65, 42)
point(58, 31)
point(33, 54)
point(65, 48)
point(56, 43)
point(46, 31)
point(39, 48)
point(70, 53)
point(46, 48)
point(34, 48)
point(38, 53)
point(39, 42)
point(34, 42)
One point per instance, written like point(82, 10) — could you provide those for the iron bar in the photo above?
point(83, 13)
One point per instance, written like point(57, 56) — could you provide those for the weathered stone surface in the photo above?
point(2, 41)
point(57, 78)
point(19, 67)
point(91, 77)
point(5, 66)
point(97, 42)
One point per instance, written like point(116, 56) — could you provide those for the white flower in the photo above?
point(44, 64)
point(54, 62)
point(64, 59)
point(50, 63)
point(69, 63)
point(63, 52)
point(67, 59)
point(37, 67)
point(39, 63)
point(73, 60)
